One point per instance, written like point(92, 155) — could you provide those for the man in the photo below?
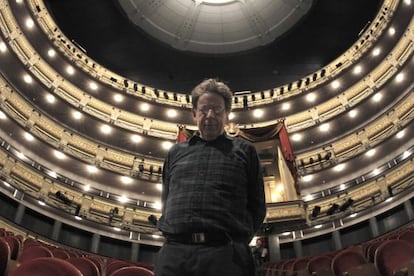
point(260, 255)
point(213, 196)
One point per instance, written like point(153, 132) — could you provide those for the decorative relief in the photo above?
point(232, 129)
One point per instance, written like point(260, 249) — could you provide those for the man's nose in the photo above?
point(210, 113)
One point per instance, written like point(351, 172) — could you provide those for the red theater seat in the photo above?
point(372, 249)
point(132, 271)
point(73, 254)
point(85, 266)
point(393, 255)
point(4, 256)
point(14, 245)
point(408, 236)
point(60, 253)
point(300, 266)
point(352, 262)
point(320, 265)
point(98, 261)
point(46, 266)
point(34, 252)
point(345, 260)
point(115, 265)
point(271, 269)
point(31, 242)
point(288, 266)
point(368, 269)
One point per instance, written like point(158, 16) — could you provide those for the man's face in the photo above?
point(210, 116)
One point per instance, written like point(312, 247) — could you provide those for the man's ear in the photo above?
point(194, 113)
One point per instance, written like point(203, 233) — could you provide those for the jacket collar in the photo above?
point(196, 138)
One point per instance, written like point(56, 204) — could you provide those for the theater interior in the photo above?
point(94, 93)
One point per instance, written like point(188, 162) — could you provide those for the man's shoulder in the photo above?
point(179, 145)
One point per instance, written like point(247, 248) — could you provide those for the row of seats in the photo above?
point(25, 256)
point(51, 266)
point(388, 255)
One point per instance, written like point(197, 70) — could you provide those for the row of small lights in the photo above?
point(353, 215)
point(104, 128)
point(369, 153)
point(318, 226)
point(156, 205)
point(311, 97)
point(257, 113)
point(90, 168)
point(325, 127)
point(166, 145)
point(172, 113)
point(352, 114)
point(340, 167)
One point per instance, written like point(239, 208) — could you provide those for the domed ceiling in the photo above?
point(215, 26)
point(301, 37)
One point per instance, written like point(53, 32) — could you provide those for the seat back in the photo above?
point(368, 269)
point(73, 254)
point(115, 265)
point(288, 265)
point(408, 236)
point(98, 261)
point(148, 266)
point(132, 271)
point(266, 267)
point(392, 255)
point(34, 252)
point(85, 266)
point(29, 242)
point(300, 264)
point(271, 269)
point(372, 249)
point(60, 253)
point(345, 260)
point(320, 264)
point(4, 256)
point(14, 244)
point(46, 266)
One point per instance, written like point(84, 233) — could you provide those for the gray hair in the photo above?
point(212, 86)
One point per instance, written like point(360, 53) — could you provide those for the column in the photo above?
point(18, 217)
point(297, 245)
point(409, 210)
point(135, 252)
point(337, 239)
point(274, 248)
point(57, 226)
point(96, 238)
point(373, 225)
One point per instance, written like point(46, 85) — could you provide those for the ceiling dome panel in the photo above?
point(215, 27)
